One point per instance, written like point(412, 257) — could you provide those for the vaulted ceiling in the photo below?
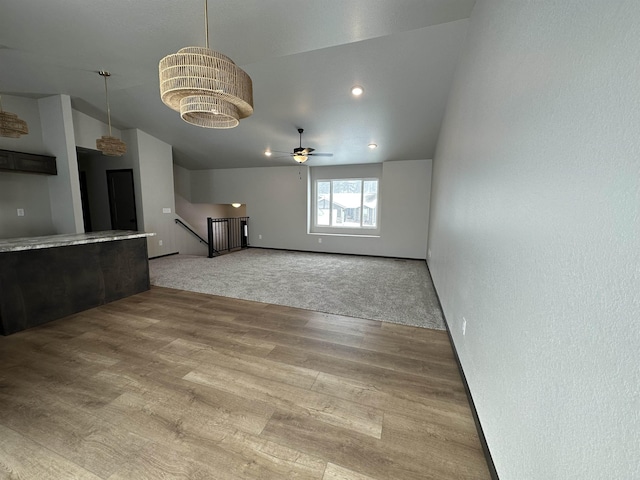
point(302, 55)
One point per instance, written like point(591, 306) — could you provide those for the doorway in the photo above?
point(122, 201)
point(84, 198)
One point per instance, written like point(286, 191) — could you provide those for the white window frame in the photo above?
point(350, 229)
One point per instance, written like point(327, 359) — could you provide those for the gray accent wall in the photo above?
point(535, 234)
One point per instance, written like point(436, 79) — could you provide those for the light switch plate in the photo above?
point(21, 212)
point(166, 210)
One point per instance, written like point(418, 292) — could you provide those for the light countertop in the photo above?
point(63, 240)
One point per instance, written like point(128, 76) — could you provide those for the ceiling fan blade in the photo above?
point(308, 150)
point(321, 154)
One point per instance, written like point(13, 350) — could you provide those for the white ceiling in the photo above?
point(302, 55)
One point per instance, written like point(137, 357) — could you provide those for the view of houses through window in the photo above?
point(351, 203)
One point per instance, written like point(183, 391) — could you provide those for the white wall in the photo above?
point(156, 184)
point(182, 182)
point(405, 193)
point(186, 243)
point(87, 130)
point(58, 137)
point(276, 200)
point(30, 193)
point(535, 234)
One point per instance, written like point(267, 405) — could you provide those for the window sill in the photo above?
point(357, 235)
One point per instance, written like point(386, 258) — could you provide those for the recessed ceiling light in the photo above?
point(357, 90)
point(372, 146)
point(267, 153)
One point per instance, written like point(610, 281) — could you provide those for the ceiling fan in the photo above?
point(301, 154)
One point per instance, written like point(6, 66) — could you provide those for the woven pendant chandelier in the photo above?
point(206, 87)
point(110, 145)
point(10, 125)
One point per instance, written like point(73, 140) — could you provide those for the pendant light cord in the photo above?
point(106, 94)
point(206, 22)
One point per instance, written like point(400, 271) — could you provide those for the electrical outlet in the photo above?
point(166, 210)
point(464, 326)
point(260, 237)
point(160, 242)
point(320, 240)
point(21, 212)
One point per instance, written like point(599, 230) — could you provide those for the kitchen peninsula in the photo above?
point(47, 278)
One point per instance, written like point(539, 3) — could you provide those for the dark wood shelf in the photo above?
point(20, 162)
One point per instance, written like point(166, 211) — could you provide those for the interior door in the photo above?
point(122, 200)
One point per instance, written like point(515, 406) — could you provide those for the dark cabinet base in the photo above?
point(38, 286)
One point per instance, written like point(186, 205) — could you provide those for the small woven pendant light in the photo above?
point(10, 125)
point(110, 145)
point(205, 86)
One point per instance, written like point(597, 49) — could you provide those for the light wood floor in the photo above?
point(172, 384)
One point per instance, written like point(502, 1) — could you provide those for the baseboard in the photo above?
point(165, 255)
point(483, 440)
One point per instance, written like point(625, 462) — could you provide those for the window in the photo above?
point(346, 203)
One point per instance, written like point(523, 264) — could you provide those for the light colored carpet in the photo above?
point(390, 290)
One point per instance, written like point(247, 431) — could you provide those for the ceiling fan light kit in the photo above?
point(301, 154)
point(205, 86)
point(108, 144)
point(11, 126)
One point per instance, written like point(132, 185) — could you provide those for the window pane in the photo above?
point(322, 203)
point(370, 207)
point(346, 206)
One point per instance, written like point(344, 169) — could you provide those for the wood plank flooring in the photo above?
point(172, 384)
